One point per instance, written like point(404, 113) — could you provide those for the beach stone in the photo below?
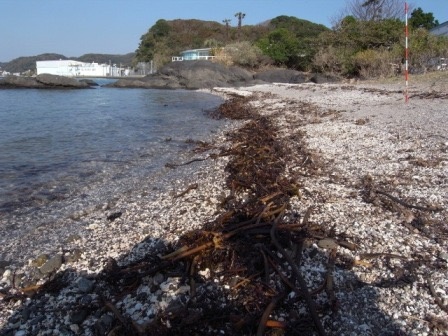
point(104, 325)
point(7, 275)
point(37, 320)
point(52, 264)
point(3, 265)
point(327, 243)
point(114, 216)
point(63, 331)
point(86, 300)
point(84, 285)
point(73, 256)
point(444, 256)
point(79, 316)
point(74, 328)
point(40, 260)
point(73, 237)
point(9, 332)
point(158, 279)
point(26, 312)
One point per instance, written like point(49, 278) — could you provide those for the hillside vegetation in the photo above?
point(292, 37)
point(367, 47)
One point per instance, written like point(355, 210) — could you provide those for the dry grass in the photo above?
point(431, 81)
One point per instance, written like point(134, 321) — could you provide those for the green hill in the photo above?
point(167, 38)
point(22, 64)
point(124, 60)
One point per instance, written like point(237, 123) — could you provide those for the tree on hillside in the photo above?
point(149, 41)
point(291, 41)
point(281, 46)
point(351, 41)
point(300, 28)
point(420, 19)
point(375, 10)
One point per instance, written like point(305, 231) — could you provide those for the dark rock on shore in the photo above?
point(323, 78)
point(43, 81)
point(20, 82)
point(89, 82)
point(282, 76)
point(206, 74)
point(191, 75)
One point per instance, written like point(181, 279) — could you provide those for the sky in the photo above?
point(76, 27)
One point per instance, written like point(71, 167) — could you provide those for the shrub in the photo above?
point(373, 63)
point(243, 54)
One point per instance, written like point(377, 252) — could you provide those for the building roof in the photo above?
point(441, 29)
point(57, 63)
point(195, 50)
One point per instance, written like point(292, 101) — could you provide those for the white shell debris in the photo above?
point(371, 133)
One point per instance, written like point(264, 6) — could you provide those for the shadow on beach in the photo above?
point(150, 296)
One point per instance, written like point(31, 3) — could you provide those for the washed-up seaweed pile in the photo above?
point(252, 250)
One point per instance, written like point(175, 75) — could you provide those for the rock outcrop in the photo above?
point(43, 81)
point(177, 75)
point(206, 74)
point(191, 75)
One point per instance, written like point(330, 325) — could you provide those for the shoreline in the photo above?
point(353, 134)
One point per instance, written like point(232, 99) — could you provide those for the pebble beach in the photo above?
point(381, 185)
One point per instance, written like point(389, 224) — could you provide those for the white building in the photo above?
point(72, 68)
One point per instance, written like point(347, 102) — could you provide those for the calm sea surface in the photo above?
point(59, 146)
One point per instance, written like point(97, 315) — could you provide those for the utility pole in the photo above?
point(240, 17)
point(227, 23)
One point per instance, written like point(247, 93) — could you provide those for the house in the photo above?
point(440, 30)
point(194, 54)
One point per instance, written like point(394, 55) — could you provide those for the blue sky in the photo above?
point(77, 27)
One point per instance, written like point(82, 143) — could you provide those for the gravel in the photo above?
point(364, 137)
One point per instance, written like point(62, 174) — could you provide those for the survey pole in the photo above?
point(406, 70)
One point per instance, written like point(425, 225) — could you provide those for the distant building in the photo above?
point(144, 68)
point(70, 68)
point(440, 30)
point(194, 54)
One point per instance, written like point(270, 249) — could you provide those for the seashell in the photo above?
point(327, 243)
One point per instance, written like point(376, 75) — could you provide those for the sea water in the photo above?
point(59, 147)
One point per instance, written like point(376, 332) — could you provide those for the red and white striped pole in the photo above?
point(406, 71)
